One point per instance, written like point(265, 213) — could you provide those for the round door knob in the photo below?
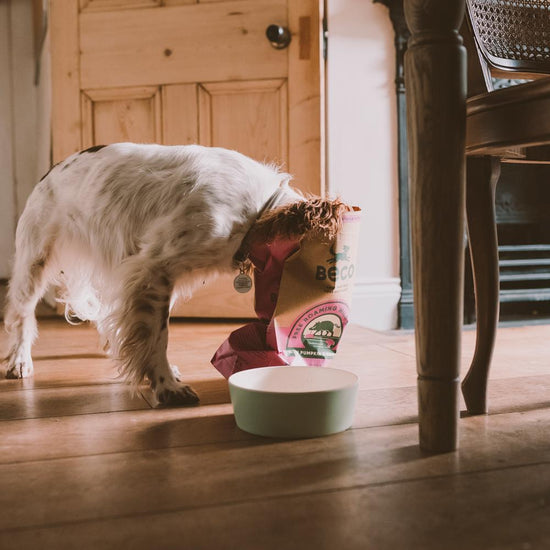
point(279, 37)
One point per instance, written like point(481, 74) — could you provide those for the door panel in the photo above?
point(125, 114)
point(180, 71)
point(194, 43)
point(180, 114)
point(250, 117)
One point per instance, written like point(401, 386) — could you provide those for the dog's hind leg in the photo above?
point(28, 284)
point(137, 331)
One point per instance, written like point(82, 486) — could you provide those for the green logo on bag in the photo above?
point(336, 272)
point(316, 333)
point(339, 256)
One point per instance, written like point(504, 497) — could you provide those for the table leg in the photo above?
point(435, 79)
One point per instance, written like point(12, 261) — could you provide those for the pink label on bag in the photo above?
point(315, 334)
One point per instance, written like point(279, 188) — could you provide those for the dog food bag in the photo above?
point(302, 299)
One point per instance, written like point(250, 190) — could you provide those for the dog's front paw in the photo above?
point(177, 397)
point(19, 369)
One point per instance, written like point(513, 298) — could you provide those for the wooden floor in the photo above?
point(84, 464)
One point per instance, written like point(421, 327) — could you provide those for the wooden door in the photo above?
point(179, 72)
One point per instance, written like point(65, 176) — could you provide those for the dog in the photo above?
point(124, 230)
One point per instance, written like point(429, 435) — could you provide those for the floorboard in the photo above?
point(87, 463)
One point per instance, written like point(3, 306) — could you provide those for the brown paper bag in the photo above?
point(314, 297)
point(303, 292)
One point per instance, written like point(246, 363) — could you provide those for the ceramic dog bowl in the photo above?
point(293, 402)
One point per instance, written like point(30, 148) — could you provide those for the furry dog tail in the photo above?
point(315, 217)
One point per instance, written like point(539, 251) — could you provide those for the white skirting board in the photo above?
point(374, 303)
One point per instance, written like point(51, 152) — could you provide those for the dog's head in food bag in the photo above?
point(292, 216)
point(303, 256)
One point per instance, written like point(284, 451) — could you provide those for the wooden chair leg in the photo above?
point(481, 181)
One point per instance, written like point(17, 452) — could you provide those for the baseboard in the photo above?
point(374, 303)
point(405, 318)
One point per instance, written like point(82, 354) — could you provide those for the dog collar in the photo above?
point(242, 253)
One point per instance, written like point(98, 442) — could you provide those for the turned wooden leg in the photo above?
point(435, 79)
point(481, 181)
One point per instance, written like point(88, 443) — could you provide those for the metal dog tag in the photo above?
point(242, 283)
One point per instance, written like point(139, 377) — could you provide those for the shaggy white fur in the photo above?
point(125, 228)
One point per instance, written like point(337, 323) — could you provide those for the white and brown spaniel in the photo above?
point(125, 229)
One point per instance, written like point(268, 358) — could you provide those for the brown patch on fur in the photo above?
point(314, 217)
point(37, 267)
point(93, 149)
point(48, 172)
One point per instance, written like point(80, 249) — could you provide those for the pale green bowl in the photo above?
point(293, 402)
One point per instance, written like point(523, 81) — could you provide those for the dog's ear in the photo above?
point(315, 217)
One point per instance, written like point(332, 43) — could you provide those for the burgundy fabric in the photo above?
point(246, 347)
